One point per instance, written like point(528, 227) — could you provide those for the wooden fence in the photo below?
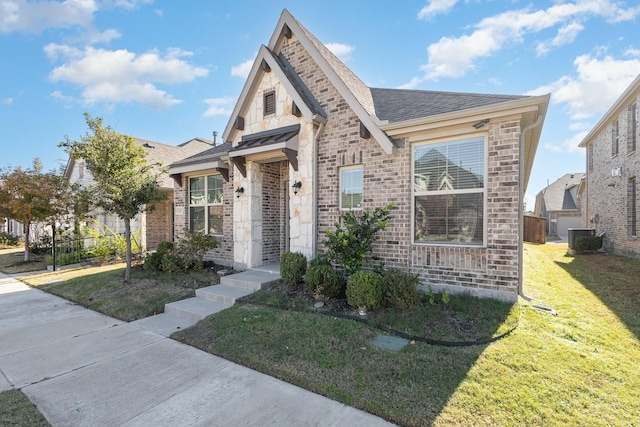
point(535, 229)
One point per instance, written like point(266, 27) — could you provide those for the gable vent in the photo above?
point(269, 103)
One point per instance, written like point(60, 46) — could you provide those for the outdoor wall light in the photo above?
point(296, 186)
point(239, 191)
point(481, 123)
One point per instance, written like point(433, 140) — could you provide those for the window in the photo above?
point(449, 192)
point(633, 225)
point(633, 128)
point(615, 138)
point(351, 188)
point(590, 158)
point(269, 103)
point(205, 204)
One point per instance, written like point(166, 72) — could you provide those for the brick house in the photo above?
point(559, 204)
point(308, 140)
point(156, 226)
point(611, 197)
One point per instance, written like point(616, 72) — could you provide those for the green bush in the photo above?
point(324, 281)
point(8, 239)
point(192, 248)
point(349, 247)
point(400, 289)
point(108, 244)
point(365, 289)
point(292, 267)
point(153, 260)
point(587, 243)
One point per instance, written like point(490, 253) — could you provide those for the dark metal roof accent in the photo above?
point(267, 137)
point(292, 155)
point(396, 105)
point(304, 93)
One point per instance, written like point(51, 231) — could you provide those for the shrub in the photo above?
point(107, 243)
point(587, 243)
point(41, 245)
point(192, 248)
point(324, 281)
point(365, 289)
point(153, 260)
point(292, 267)
point(350, 246)
point(8, 239)
point(400, 289)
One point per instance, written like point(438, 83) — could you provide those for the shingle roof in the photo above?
point(212, 153)
point(397, 105)
point(557, 196)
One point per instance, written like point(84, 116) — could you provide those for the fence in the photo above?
point(535, 229)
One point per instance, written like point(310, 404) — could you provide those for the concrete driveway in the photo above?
point(80, 367)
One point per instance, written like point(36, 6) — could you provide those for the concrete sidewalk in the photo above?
point(80, 367)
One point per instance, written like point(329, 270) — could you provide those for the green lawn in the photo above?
point(12, 261)
point(579, 368)
point(17, 410)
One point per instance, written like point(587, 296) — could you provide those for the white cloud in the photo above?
point(436, 7)
point(597, 85)
point(219, 106)
point(568, 145)
point(566, 35)
point(342, 51)
point(455, 56)
point(7, 101)
point(26, 16)
point(632, 52)
point(122, 76)
point(243, 69)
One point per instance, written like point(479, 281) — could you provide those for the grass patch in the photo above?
point(103, 289)
point(17, 410)
point(464, 318)
point(577, 368)
point(12, 261)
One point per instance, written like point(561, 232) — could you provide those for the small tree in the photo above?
point(30, 196)
point(349, 247)
point(124, 183)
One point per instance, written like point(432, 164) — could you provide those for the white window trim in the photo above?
point(340, 170)
point(413, 193)
point(205, 205)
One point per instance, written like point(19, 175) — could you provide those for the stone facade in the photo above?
point(610, 177)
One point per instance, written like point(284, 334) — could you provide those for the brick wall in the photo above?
point(607, 195)
point(387, 178)
point(274, 187)
point(158, 223)
point(224, 253)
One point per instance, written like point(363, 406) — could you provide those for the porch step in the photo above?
point(250, 279)
point(194, 309)
point(210, 300)
point(225, 294)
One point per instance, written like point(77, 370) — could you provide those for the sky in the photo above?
point(169, 71)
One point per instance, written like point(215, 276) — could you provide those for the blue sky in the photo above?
point(169, 71)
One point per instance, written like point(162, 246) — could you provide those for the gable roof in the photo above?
point(161, 153)
point(557, 196)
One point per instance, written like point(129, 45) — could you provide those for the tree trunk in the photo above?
point(27, 232)
point(127, 238)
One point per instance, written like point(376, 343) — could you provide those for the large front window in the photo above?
point(205, 204)
point(449, 192)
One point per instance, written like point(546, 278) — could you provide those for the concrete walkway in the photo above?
point(80, 367)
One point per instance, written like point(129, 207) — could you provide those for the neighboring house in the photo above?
point(308, 141)
point(559, 204)
point(611, 195)
point(155, 226)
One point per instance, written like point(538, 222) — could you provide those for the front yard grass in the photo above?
point(574, 369)
point(17, 410)
point(102, 288)
point(12, 261)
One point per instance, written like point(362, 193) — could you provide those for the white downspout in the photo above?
point(314, 198)
point(521, 208)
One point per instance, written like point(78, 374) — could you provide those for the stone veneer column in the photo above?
point(247, 218)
